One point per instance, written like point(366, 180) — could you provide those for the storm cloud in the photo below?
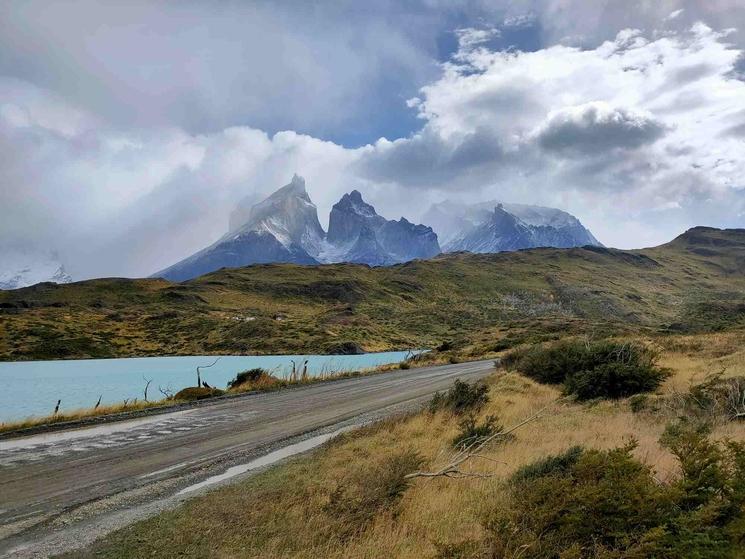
point(596, 128)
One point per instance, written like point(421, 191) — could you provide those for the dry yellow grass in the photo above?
point(83, 413)
point(284, 511)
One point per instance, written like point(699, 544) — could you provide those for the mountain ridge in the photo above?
point(695, 282)
point(495, 227)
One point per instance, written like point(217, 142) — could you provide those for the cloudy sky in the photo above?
point(129, 130)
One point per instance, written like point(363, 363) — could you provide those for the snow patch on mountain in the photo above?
point(24, 266)
point(495, 227)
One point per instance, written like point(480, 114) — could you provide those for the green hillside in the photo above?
point(694, 283)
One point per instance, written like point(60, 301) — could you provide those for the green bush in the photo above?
point(604, 369)
point(471, 431)
point(614, 380)
point(461, 398)
point(639, 402)
point(606, 504)
point(557, 464)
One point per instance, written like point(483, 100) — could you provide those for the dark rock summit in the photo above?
point(374, 240)
point(348, 217)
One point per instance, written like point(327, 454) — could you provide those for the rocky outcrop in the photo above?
point(374, 240)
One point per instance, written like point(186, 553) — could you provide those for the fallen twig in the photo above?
point(473, 450)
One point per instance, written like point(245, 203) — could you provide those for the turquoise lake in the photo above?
point(32, 388)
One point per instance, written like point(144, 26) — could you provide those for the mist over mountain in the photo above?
point(21, 266)
point(496, 227)
point(285, 228)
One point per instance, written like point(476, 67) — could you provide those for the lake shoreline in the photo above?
point(164, 406)
point(32, 388)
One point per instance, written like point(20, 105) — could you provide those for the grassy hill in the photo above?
point(694, 283)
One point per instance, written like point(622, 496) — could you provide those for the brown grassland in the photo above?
point(293, 510)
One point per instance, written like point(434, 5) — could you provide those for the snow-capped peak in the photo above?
point(24, 266)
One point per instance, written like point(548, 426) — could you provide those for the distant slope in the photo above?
point(696, 282)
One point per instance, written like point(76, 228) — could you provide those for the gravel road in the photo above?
point(61, 490)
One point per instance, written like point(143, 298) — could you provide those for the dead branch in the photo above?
point(167, 391)
point(98, 403)
point(199, 376)
point(147, 385)
point(473, 450)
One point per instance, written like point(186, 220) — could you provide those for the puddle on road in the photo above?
point(87, 432)
point(267, 460)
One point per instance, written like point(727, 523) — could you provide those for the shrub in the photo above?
point(249, 376)
point(471, 431)
point(592, 503)
point(639, 402)
point(599, 500)
point(614, 380)
point(718, 397)
point(603, 369)
point(461, 397)
point(404, 365)
point(551, 465)
point(365, 492)
point(197, 393)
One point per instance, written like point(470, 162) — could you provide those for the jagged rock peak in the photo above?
point(353, 202)
point(297, 183)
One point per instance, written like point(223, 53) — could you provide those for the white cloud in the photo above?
point(675, 14)
point(634, 125)
point(640, 137)
point(127, 202)
point(471, 37)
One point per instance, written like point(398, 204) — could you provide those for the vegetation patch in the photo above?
point(717, 399)
point(364, 493)
point(471, 431)
point(588, 370)
point(251, 379)
point(461, 398)
point(607, 504)
point(197, 393)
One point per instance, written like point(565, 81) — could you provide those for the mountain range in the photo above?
point(695, 283)
point(284, 228)
point(495, 227)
